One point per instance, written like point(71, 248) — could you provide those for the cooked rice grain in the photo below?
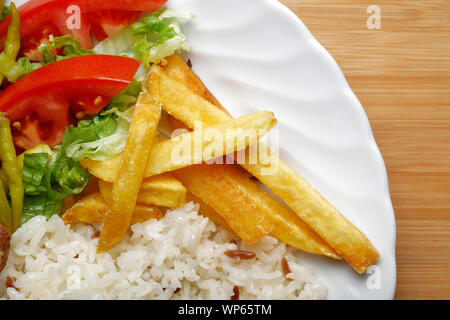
point(49, 260)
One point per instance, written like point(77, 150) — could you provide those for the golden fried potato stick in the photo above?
point(90, 209)
point(234, 204)
point(142, 212)
point(93, 209)
point(216, 138)
point(241, 203)
point(288, 227)
point(176, 68)
point(290, 186)
point(208, 211)
point(161, 190)
point(145, 212)
point(104, 170)
point(131, 172)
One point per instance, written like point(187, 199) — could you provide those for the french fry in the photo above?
point(106, 190)
point(164, 155)
point(144, 213)
point(93, 209)
point(239, 200)
point(176, 68)
point(131, 172)
point(288, 227)
point(234, 204)
point(90, 209)
point(162, 190)
point(209, 212)
point(104, 170)
point(180, 102)
point(291, 187)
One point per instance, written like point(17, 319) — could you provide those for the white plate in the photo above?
point(257, 55)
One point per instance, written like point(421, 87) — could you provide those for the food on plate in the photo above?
point(307, 203)
point(122, 176)
point(193, 260)
point(41, 18)
point(47, 94)
point(237, 198)
point(287, 226)
point(181, 151)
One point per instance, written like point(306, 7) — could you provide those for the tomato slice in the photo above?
point(30, 44)
point(107, 23)
point(103, 18)
point(41, 104)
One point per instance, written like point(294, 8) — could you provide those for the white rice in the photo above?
point(49, 260)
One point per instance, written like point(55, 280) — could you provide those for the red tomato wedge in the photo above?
point(107, 23)
point(41, 104)
point(104, 18)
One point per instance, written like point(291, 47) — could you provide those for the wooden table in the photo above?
point(401, 74)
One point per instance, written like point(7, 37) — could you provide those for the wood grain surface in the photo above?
point(401, 75)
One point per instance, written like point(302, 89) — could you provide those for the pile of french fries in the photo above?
point(141, 183)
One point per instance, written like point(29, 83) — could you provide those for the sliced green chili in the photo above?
point(12, 42)
point(4, 179)
point(5, 210)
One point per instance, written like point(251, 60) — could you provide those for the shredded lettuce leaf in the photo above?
point(39, 205)
point(14, 70)
point(88, 132)
point(37, 200)
point(28, 65)
point(158, 35)
point(70, 46)
point(47, 181)
point(50, 175)
point(34, 165)
point(151, 39)
point(111, 125)
point(126, 98)
point(117, 45)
